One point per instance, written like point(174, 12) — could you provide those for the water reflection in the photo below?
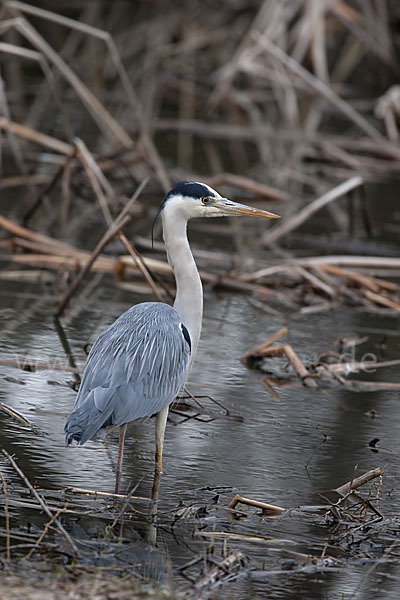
point(282, 452)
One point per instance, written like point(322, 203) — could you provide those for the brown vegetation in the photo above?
point(98, 99)
point(292, 103)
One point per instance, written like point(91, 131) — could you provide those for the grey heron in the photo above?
point(138, 365)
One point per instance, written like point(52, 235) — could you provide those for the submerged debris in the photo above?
point(99, 538)
point(332, 368)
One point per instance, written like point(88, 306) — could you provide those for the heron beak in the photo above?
point(229, 208)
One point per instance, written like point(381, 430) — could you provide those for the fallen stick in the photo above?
point(41, 243)
point(370, 386)
point(353, 385)
point(316, 282)
point(31, 275)
point(350, 486)
point(263, 505)
point(266, 384)
point(361, 262)
point(353, 366)
point(114, 229)
point(374, 284)
point(258, 350)
point(75, 490)
point(16, 415)
point(243, 537)
point(101, 265)
point(52, 256)
point(383, 300)
point(32, 505)
point(298, 366)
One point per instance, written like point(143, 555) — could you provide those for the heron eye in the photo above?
point(205, 200)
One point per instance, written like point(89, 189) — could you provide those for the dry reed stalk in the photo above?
point(383, 300)
point(258, 350)
point(43, 504)
point(106, 123)
point(72, 259)
point(96, 177)
point(7, 515)
point(32, 236)
point(18, 180)
point(260, 21)
point(16, 415)
point(344, 368)
point(247, 184)
point(65, 196)
point(13, 143)
point(300, 217)
point(316, 282)
point(46, 528)
point(287, 351)
point(267, 508)
point(354, 484)
point(371, 283)
point(96, 493)
point(218, 573)
point(308, 30)
point(102, 117)
point(323, 89)
point(113, 229)
point(36, 136)
point(39, 276)
point(360, 262)
point(48, 187)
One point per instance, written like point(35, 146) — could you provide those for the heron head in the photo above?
point(193, 199)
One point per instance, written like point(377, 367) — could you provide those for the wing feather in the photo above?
point(135, 368)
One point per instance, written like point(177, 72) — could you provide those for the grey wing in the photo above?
point(135, 368)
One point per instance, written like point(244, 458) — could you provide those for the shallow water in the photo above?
point(284, 452)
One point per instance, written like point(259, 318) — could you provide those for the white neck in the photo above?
point(189, 292)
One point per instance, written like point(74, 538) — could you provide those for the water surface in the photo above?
point(284, 452)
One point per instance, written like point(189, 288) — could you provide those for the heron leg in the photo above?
point(122, 431)
point(161, 422)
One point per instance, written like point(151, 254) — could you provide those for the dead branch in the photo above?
point(95, 493)
point(258, 350)
point(265, 351)
point(267, 508)
point(350, 486)
point(383, 300)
